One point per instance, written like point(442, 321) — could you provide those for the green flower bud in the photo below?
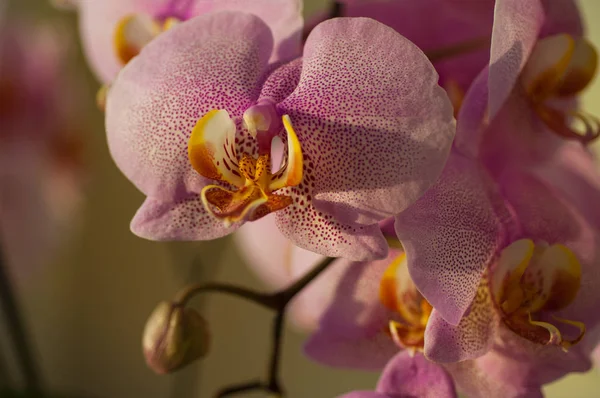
point(174, 336)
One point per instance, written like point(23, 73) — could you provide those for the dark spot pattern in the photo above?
point(451, 235)
point(211, 62)
point(371, 117)
point(472, 337)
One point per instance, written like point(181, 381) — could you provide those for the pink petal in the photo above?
point(311, 229)
point(517, 25)
point(184, 219)
point(450, 236)
point(471, 120)
point(412, 375)
point(576, 173)
point(282, 81)
point(284, 18)
point(517, 138)
point(471, 338)
point(371, 118)
point(353, 331)
point(211, 62)
point(494, 376)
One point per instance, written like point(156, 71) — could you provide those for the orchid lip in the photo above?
point(398, 293)
point(534, 279)
point(561, 66)
point(246, 188)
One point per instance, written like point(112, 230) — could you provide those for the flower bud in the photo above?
point(174, 336)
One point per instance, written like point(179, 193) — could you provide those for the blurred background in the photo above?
point(85, 305)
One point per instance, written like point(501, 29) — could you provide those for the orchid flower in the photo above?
point(114, 31)
point(40, 152)
point(539, 54)
point(191, 121)
point(513, 272)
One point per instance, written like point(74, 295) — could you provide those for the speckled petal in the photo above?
point(211, 62)
point(412, 375)
point(284, 18)
point(471, 338)
point(311, 229)
point(185, 219)
point(450, 236)
point(517, 25)
point(375, 126)
point(353, 332)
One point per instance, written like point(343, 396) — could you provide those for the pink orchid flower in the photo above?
point(40, 151)
point(114, 31)
point(533, 303)
point(538, 54)
point(191, 121)
point(475, 19)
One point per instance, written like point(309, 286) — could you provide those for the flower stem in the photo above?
point(278, 302)
point(265, 300)
point(17, 332)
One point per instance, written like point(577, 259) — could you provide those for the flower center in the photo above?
point(560, 67)
point(247, 189)
point(529, 283)
point(398, 293)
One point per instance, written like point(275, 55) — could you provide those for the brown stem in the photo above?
point(277, 302)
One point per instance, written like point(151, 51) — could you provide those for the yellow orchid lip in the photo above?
point(213, 154)
point(398, 293)
point(532, 279)
point(134, 31)
point(560, 67)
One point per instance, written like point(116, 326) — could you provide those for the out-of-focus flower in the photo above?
point(114, 31)
point(539, 55)
point(174, 336)
point(40, 146)
point(436, 26)
point(412, 376)
point(362, 116)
